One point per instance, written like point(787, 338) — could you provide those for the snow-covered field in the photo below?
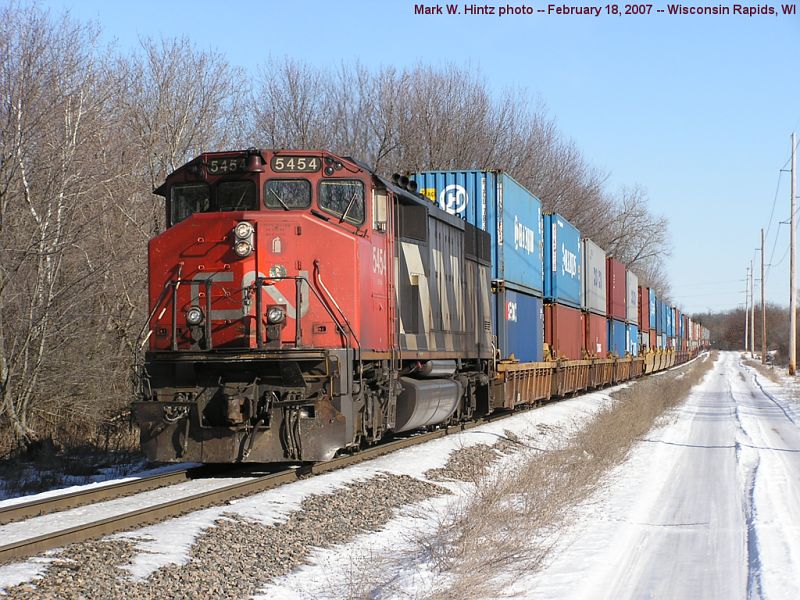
point(706, 506)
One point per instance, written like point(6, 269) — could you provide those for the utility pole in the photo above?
point(746, 310)
point(752, 312)
point(763, 307)
point(793, 269)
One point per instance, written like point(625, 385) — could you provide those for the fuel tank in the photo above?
point(426, 402)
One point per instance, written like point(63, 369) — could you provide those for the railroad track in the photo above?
point(84, 497)
point(140, 517)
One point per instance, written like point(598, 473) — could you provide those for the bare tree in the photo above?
point(50, 102)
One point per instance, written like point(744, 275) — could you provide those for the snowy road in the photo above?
point(706, 507)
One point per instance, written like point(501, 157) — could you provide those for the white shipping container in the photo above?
point(632, 297)
point(593, 290)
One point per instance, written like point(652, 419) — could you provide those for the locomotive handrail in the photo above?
point(298, 279)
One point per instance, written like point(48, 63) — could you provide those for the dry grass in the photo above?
point(768, 371)
point(513, 518)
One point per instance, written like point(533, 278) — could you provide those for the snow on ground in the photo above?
point(707, 506)
point(169, 542)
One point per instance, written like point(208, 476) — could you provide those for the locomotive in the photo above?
point(302, 305)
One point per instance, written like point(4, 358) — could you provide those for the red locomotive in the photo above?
point(300, 304)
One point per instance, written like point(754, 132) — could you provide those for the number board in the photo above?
point(295, 164)
point(220, 166)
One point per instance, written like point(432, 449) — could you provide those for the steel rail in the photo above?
point(82, 497)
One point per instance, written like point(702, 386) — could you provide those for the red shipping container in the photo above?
point(653, 339)
point(564, 330)
point(615, 289)
point(644, 309)
point(596, 340)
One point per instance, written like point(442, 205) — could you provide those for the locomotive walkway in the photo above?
point(709, 507)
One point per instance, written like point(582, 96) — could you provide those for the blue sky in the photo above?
point(697, 110)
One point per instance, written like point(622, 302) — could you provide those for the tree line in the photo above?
point(87, 132)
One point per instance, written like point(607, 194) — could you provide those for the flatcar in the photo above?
point(302, 305)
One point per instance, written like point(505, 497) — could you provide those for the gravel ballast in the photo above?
point(237, 556)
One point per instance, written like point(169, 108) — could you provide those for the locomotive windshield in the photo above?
point(236, 195)
point(187, 199)
point(286, 194)
point(344, 198)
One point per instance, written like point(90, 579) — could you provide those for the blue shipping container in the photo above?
point(617, 337)
point(632, 346)
point(562, 261)
point(520, 329)
point(494, 202)
point(664, 340)
point(652, 309)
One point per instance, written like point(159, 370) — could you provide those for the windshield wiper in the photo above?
point(279, 199)
point(349, 206)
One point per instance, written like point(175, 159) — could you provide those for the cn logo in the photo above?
point(453, 199)
point(511, 311)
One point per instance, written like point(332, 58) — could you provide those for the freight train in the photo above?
point(301, 305)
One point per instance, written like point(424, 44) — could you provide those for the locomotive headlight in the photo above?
point(243, 230)
point(275, 314)
point(194, 316)
point(242, 248)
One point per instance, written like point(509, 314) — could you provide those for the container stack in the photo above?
point(564, 323)
point(643, 298)
point(616, 291)
point(653, 319)
point(593, 301)
point(631, 313)
point(494, 202)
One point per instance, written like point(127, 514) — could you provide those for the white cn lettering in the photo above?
point(453, 199)
point(512, 311)
point(378, 261)
point(524, 236)
point(569, 261)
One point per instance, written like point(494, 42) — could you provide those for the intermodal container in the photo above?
point(644, 341)
point(632, 340)
point(562, 261)
point(631, 297)
point(671, 321)
point(617, 337)
point(594, 278)
point(659, 317)
point(644, 309)
point(615, 289)
point(519, 325)
point(494, 202)
point(596, 340)
point(664, 340)
point(653, 341)
point(564, 331)
point(653, 319)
